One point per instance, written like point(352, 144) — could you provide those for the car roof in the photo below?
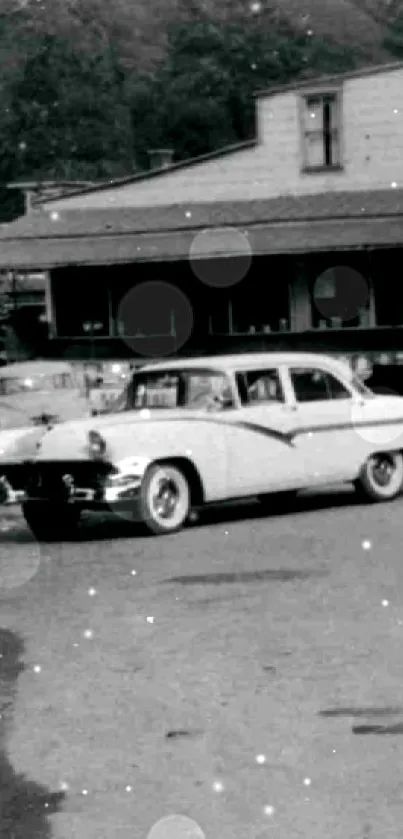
point(34, 368)
point(245, 361)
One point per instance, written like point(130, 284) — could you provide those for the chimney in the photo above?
point(160, 158)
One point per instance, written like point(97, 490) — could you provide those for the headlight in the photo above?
point(96, 444)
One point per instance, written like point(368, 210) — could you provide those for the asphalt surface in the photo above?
point(246, 673)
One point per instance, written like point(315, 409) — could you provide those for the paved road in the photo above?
point(153, 693)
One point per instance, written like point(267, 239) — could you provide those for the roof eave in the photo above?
point(154, 173)
point(336, 78)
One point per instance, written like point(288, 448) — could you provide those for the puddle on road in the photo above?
point(178, 733)
point(396, 728)
point(271, 575)
point(370, 713)
point(386, 711)
point(24, 804)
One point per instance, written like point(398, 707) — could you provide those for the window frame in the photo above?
point(182, 374)
point(321, 93)
point(351, 397)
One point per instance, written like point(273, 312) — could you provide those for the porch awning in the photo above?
point(340, 221)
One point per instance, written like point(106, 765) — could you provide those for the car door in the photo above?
point(324, 420)
point(261, 451)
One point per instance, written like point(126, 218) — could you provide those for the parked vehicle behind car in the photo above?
point(35, 395)
point(193, 432)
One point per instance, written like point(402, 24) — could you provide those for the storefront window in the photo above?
point(339, 297)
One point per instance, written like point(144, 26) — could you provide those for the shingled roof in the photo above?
point(337, 220)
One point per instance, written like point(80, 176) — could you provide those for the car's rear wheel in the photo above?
point(51, 522)
point(381, 477)
point(165, 499)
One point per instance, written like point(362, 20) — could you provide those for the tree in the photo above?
point(70, 114)
point(200, 96)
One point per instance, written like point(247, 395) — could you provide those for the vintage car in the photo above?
point(32, 392)
point(199, 431)
point(109, 386)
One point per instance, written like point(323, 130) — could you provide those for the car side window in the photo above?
point(208, 391)
point(313, 385)
point(260, 387)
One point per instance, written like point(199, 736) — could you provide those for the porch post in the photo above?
point(300, 303)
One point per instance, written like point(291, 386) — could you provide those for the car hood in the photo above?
point(20, 443)
point(145, 431)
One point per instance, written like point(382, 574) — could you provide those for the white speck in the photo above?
point(310, 433)
point(133, 573)
point(218, 786)
point(363, 209)
point(92, 592)
point(307, 782)
point(63, 785)
point(188, 451)
point(309, 32)
point(260, 759)
point(268, 810)
point(334, 751)
point(188, 214)
point(393, 184)
point(75, 645)
point(88, 633)
point(385, 602)
point(54, 216)
point(138, 248)
point(85, 792)
point(253, 66)
point(225, 532)
point(395, 111)
point(128, 789)
point(150, 620)
point(46, 805)
point(37, 668)
point(366, 545)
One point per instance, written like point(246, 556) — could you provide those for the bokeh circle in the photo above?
point(340, 292)
point(382, 434)
point(155, 319)
point(176, 827)
point(208, 249)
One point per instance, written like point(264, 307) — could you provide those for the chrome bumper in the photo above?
point(110, 496)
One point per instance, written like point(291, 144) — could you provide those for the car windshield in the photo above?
point(359, 385)
point(12, 385)
point(194, 389)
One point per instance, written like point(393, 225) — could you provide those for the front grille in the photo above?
point(51, 480)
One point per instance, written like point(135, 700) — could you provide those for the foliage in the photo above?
point(85, 93)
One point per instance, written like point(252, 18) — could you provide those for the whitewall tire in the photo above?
point(381, 477)
point(165, 499)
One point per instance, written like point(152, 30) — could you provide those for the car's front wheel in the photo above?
point(381, 477)
point(165, 499)
point(51, 522)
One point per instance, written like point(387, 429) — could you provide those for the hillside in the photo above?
point(86, 94)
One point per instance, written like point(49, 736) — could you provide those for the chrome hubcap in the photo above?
point(382, 469)
point(166, 499)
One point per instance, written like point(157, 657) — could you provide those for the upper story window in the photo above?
point(321, 131)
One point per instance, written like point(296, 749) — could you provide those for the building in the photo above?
point(292, 240)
